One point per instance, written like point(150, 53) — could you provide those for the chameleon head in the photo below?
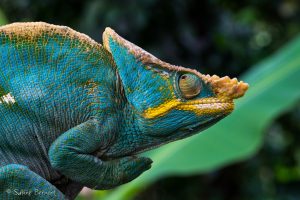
point(171, 102)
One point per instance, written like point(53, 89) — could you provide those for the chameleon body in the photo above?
point(75, 113)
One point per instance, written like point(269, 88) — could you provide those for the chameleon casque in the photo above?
point(76, 113)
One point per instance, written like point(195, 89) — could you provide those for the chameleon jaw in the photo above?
point(203, 106)
point(208, 106)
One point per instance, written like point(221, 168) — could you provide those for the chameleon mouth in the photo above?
point(208, 106)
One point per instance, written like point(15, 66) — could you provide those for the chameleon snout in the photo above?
point(226, 87)
point(225, 90)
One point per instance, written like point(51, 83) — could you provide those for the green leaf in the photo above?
point(3, 19)
point(274, 88)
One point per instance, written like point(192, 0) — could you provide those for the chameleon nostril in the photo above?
point(183, 77)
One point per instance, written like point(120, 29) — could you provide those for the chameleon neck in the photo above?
point(126, 142)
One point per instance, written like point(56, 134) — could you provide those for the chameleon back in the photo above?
point(49, 83)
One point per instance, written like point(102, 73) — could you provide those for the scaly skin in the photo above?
point(74, 113)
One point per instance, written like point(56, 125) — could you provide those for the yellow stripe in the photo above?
point(161, 109)
point(199, 107)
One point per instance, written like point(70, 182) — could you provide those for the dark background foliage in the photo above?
point(221, 37)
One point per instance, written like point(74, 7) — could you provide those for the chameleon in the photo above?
point(76, 113)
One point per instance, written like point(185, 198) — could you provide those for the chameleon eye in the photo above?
point(189, 85)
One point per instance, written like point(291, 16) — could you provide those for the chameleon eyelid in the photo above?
point(189, 85)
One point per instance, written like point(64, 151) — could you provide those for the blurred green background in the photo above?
point(254, 153)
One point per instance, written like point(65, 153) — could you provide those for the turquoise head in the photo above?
point(169, 102)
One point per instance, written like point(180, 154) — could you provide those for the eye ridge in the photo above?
point(189, 85)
